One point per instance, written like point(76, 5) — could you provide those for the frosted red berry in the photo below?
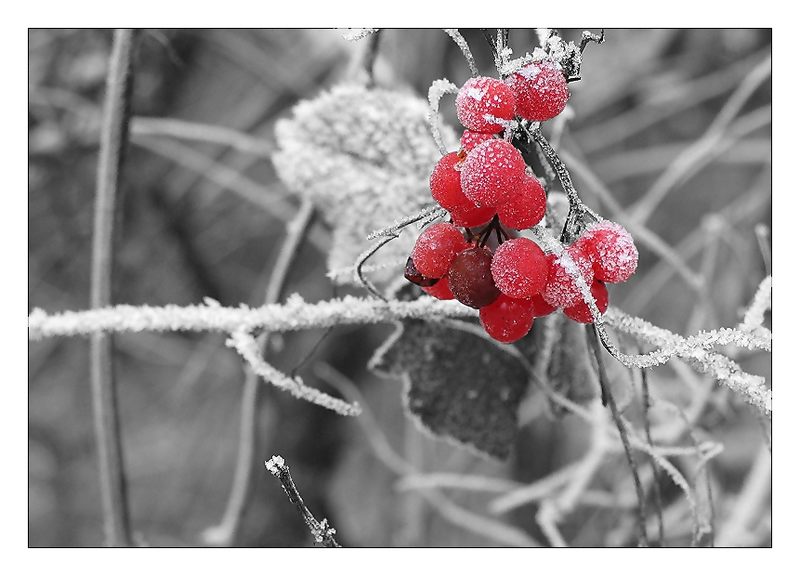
point(491, 172)
point(471, 216)
point(611, 248)
point(520, 268)
point(470, 277)
point(580, 312)
point(525, 206)
point(540, 307)
point(446, 190)
point(440, 290)
point(540, 90)
point(561, 290)
point(507, 319)
point(415, 276)
point(435, 249)
point(482, 101)
point(470, 139)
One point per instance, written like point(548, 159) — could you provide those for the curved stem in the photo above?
point(113, 137)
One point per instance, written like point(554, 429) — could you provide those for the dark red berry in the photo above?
point(415, 276)
point(580, 312)
point(520, 268)
point(482, 101)
point(540, 90)
point(470, 277)
point(507, 319)
point(435, 249)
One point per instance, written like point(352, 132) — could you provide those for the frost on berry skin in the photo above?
point(561, 290)
point(540, 90)
point(440, 290)
point(435, 249)
point(470, 277)
point(470, 139)
point(491, 172)
point(446, 190)
point(507, 319)
point(580, 312)
point(611, 248)
point(364, 158)
point(483, 99)
point(524, 207)
point(415, 276)
point(520, 268)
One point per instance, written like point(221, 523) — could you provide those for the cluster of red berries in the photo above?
point(487, 188)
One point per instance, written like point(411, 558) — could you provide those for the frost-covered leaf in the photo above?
point(459, 385)
point(364, 157)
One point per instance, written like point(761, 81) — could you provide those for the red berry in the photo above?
point(561, 290)
point(470, 277)
point(491, 172)
point(580, 311)
point(540, 89)
point(471, 216)
point(611, 249)
point(540, 307)
point(446, 190)
point(525, 206)
point(470, 139)
point(415, 276)
point(507, 319)
point(440, 290)
point(435, 249)
point(482, 101)
point(520, 268)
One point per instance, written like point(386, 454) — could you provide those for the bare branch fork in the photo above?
point(113, 138)
point(322, 532)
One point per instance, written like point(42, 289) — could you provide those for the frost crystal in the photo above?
point(363, 157)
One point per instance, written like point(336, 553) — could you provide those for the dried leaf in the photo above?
point(364, 157)
point(459, 385)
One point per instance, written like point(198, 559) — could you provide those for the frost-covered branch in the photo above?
point(464, 47)
point(295, 314)
point(248, 349)
point(438, 89)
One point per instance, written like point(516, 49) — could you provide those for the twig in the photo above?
point(371, 55)
point(113, 138)
point(438, 89)
point(591, 337)
point(762, 234)
point(224, 533)
point(462, 44)
point(321, 531)
point(197, 132)
point(656, 476)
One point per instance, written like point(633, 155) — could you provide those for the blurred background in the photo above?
point(679, 107)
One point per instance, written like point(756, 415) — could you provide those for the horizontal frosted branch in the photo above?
point(295, 314)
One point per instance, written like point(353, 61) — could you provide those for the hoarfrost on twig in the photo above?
point(462, 44)
point(248, 348)
point(355, 34)
point(438, 89)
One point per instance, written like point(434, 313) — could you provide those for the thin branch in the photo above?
point(591, 337)
point(762, 234)
point(438, 89)
point(656, 476)
point(197, 132)
point(462, 44)
point(322, 532)
point(248, 349)
point(224, 533)
point(113, 138)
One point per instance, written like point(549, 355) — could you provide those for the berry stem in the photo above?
point(577, 209)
